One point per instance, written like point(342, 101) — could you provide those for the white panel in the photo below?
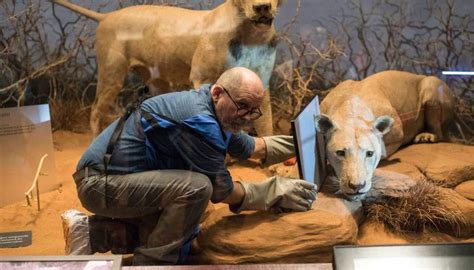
point(25, 136)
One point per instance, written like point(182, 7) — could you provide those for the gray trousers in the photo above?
point(178, 197)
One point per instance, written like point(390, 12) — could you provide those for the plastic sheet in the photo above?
point(76, 232)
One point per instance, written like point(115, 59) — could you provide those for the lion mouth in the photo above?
point(263, 20)
point(355, 193)
point(357, 196)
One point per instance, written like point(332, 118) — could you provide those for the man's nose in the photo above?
point(247, 117)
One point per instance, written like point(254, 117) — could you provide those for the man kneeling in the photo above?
point(163, 161)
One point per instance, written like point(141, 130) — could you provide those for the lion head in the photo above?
point(354, 146)
point(260, 12)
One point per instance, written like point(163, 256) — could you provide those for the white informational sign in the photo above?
point(25, 137)
point(309, 145)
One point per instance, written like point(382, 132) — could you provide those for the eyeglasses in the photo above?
point(253, 114)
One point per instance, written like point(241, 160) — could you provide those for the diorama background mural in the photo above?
point(48, 53)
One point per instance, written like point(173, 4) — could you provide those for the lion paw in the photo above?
point(426, 138)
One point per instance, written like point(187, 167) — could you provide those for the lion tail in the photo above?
point(83, 11)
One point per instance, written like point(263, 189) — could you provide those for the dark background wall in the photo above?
point(47, 52)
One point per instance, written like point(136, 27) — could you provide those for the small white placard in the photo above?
point(25, 136)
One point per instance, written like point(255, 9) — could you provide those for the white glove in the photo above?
point(277, 193)
point(278, 148)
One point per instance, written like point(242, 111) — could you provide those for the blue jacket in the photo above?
point(177, 131)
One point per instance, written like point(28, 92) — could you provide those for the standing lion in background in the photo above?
point(170, 47)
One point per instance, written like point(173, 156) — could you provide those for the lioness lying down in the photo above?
point(400, 106)
point(172, 48)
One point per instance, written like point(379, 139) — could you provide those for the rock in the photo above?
point(265, 237)
point(373, 233)
point(209, 209)
point(285, 170)
point(249, 171)
point(469, 240)
point(465, 207)
point(466, 189)
point(403, 168)
point(445, 164)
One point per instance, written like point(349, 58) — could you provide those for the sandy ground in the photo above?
point(46, 224)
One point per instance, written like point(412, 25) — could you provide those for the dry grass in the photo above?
point(69, 115)
point(417, 210)
point(461, 130)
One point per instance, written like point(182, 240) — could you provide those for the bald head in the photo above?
point(237, 96)
point(240, 80)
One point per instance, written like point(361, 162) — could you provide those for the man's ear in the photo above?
point(216, 92)
point(323, 124)
point(383, 124)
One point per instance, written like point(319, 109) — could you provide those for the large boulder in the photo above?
point(265, 237)
point(375, 233)
point(466, 189)
point(445, 164)
point(453, 200)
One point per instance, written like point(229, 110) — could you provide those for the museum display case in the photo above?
point(121, 111)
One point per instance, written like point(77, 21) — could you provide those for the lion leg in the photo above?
point(264, 125)
point(158, 86)
point(208, 62)
point(438, 105)
point(112, 72)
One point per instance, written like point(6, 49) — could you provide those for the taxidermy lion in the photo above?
point(170, 47)
point(400, 106)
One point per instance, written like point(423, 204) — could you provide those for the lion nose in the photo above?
point(357, 187)
point(262, 8)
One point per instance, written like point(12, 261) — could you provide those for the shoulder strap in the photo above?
point(113, 139)
point(118, 129)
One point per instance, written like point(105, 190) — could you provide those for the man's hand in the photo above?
point(277, 193)
point(278, 149)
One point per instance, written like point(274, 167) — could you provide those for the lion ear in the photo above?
point(280, 2)
point(323, 123)
point(383, 124)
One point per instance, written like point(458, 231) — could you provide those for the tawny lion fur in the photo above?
point(400, 106)
point(173, 47)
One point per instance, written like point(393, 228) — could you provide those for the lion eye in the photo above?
point(370, 153)
point(340, 153)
